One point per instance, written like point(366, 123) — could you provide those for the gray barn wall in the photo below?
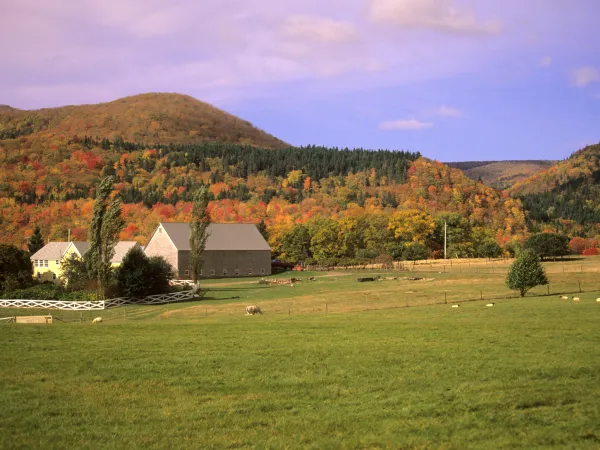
point(244, 261)
point(161, 245)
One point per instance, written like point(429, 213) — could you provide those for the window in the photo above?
point(54, 276)
point(237, 271)
point(262, 271)
point(224, 271)
point(249, 271)
point(200, 273)
point(187, 273)
point(45, 263)
point(212, 272)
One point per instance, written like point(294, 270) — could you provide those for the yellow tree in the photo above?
point(411, 225)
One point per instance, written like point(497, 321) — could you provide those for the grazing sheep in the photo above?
point(598, 300)
point(576, 299)
point(490, 304)
point(251, 310)
point(564, 297)
point(456, 306)
point(97, 320)
point(291, 284)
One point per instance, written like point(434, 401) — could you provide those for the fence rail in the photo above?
point(99, 304)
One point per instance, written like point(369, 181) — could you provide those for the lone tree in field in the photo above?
point(526, 272)
point(36, 241)
point(106, 225)
point(199, 232)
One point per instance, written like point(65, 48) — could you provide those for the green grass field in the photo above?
point(369, 373)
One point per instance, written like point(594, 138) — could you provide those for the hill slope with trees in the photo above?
point(53, 160)
point(501, 174)
point(148, 118)
point(565, 197)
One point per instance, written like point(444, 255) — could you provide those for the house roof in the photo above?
point(121, 250)
point(81, 247)
point(52, 251)
point(222, 236)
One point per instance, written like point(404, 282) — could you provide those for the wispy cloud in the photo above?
point(440, 15)
point(447, 111)
point(583, 76)
point(406, 124)
point(546, 61)
point(319, 29)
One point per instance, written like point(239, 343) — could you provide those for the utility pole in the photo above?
point(445, 229)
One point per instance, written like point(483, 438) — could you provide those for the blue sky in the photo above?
point(453, 79)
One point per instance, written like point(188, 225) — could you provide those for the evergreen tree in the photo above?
point(526, 272)
point(36, 241)
point(199, 231)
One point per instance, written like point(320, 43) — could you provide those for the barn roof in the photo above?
point(223, 236)
point(52, 251)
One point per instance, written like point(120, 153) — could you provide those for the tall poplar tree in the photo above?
point(199, 232)
point(106, 225)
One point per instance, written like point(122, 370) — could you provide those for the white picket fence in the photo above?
point(160, 299)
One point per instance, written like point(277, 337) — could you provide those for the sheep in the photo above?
point(576, 299)
point(598, 300)
point(251, 310)
point(97, 320)
point(456, 306)
point(490, 304)
point(564, 297)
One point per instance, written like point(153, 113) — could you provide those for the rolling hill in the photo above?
point(501, 174)
point(145, 118)
point(566, 195)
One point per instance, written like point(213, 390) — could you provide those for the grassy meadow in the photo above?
point(365, 371)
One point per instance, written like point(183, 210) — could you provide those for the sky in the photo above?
point(456, 80)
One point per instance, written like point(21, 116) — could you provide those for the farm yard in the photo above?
point(332, 363)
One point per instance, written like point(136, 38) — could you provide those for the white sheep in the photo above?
point(576, 299)
point(456, 306)
point(251, 310)
point(564, 297)
point(490, 304)
point(598, 300)
point(97, 320)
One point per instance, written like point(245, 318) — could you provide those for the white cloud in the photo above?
point(546, 61)
point(585, 75)
point(319, 29)
point(447, 111)
point(439, 15)
point(406, 124)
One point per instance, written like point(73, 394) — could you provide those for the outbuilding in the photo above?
point(232, 250)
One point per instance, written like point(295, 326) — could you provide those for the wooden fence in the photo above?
point(100, 304)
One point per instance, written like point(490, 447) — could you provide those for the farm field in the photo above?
point(368, 373)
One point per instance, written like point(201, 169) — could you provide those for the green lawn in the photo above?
point(370, 373)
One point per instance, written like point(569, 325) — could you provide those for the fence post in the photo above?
point(326, 310)
point(481, 294)
point(445, 298)
point(579, 286)
point(548, 288)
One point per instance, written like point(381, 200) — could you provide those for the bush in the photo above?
point(415, 252)
point(49, 291)
point(139, 276)
point(590, 252)
point(16, 269)
point(548, 245)
point(489, 249)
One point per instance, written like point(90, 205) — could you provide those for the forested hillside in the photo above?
point(49, 179)
point(148, 118)
point(566, 196)
point(501, 174)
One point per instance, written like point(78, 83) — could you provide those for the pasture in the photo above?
point(365, 371)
